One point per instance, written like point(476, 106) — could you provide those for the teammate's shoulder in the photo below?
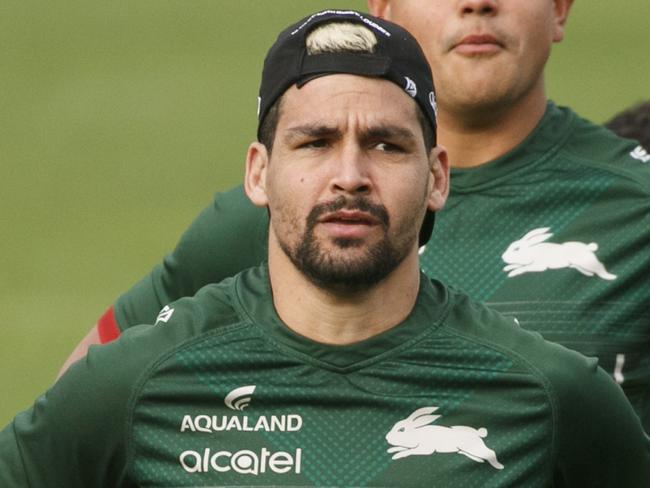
point(235, 199)
point(594, 145)
point(230, 215)
point(211, 307)
point(187, 320)
point(216, 305)
point(486, 327)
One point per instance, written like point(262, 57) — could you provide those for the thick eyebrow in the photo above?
point(312, 130)
point(390, 132)
point(318, 130)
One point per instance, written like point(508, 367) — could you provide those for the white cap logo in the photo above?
point(259, 105)
point(432, 101)
point(410, 87)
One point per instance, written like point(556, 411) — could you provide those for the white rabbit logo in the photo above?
point(532, 254)
point(413, 436)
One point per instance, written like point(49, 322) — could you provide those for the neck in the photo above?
point(473, 138)
point(338, 317)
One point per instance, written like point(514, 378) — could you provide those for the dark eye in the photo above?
point(314, 144)
point(388, 147)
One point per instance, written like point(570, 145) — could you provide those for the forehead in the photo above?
point(343, 98)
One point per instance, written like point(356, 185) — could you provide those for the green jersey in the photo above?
point(556, 233)
point(221, 393)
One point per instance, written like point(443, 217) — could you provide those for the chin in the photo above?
point(488, 102)
point(351, 269)
point(487, 85)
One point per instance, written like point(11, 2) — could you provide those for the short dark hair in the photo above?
point(633, 123)
point(269, 125)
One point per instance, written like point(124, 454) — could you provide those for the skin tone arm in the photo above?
point(80, 351)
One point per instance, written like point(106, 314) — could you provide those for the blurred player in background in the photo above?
point(633, 123)
point(548, 219)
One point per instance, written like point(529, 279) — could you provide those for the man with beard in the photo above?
point(549, 215)
point(337, 363)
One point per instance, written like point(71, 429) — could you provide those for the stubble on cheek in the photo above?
point(333, 263)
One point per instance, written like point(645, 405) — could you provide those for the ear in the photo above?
point(424, 420)
point(537, 239)
point(562, 8)
point(379, 8)
point(439, 181)
point(257, 162)
point(536, 232)
point(421, 411)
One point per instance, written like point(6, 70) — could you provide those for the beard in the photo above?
point(335, 270)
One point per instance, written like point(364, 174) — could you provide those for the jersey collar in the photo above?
point(254, 301)
point(541, 144)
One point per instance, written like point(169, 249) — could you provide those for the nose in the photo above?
point(350, 171)
point(479, 7)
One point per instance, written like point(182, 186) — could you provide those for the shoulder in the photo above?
point(236, 203)
point(118, 364)
point(229, 235)
point(89, 413)
point(589, 408)
point(557, 367)
point(595, 146)
point(187, 317)
point(231, 224)
point(214, 309)
point(590, 414)
point(114, 373)
point(234, 199)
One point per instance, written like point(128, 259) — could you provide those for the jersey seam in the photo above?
point(543, 379)
point(145, 376)
point(608, 167)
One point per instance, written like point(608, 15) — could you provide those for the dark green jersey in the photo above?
point(555, 233)
point(220, 393)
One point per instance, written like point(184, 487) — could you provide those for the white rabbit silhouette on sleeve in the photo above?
point(415, 436)
point(532, 254)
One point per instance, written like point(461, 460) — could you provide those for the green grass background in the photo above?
point(118, 121)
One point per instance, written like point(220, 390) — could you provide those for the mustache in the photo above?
point(360, 203)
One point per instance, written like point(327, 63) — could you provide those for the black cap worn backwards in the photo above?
point(397, 57)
